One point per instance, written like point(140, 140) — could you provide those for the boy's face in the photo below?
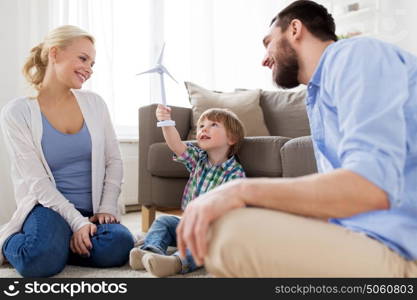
point(212, 135)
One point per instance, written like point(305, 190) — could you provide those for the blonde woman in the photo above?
point(66, 165)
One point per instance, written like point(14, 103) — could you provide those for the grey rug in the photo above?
point(7, 271)
point(132, 221)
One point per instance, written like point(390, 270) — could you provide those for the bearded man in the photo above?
point(357, 217)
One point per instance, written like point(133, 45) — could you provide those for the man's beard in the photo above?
point(285, 73)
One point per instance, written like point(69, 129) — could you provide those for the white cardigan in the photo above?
point(21, 123)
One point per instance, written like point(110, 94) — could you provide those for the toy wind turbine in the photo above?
point(161, 69)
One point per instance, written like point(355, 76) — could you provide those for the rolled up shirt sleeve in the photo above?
point(369, 96)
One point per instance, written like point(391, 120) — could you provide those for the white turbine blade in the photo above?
point(165, 70)
point(161, 55)
point(153, 70)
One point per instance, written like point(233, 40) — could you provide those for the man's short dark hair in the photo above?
point(313, 15)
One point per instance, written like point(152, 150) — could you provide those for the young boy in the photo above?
point(213, 162)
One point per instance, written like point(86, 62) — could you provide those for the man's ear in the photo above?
point(295, 29)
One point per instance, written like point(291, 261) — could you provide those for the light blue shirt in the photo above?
point(362, 107)
point(69, 158)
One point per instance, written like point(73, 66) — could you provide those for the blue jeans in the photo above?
point(41, 248)
point(163, 234)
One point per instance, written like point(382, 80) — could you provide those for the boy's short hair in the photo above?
point(234, 127)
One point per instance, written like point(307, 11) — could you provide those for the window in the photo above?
point(214, 43)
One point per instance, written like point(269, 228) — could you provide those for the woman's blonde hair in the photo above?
point(35, 66)
point(234, 127)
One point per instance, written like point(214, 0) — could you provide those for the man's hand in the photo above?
point(163, 113)
point(201, 212)
point(103, 218)
point(80, 242)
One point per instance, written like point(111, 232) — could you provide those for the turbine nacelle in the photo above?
point(161, 70)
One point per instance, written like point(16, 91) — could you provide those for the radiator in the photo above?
point(129, 195)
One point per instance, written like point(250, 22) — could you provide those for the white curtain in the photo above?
point(122, 30)
point(217, 43)
point(214, 43)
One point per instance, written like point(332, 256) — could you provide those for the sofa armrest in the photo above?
point(260, 156)
point(297, 156)
point(150, 134)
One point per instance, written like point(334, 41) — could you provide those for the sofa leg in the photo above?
point(148, 216)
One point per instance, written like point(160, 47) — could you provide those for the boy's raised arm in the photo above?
point(171, 135)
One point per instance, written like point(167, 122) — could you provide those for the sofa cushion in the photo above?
point(285, 113)
point(259, 156)
point(245, 104)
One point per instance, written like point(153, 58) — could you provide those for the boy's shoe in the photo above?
point(161, 265)
point(139, 238)
point(135, 258)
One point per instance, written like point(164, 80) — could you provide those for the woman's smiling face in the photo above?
point(73, 64)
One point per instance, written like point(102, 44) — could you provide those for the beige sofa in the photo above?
point(287, 152)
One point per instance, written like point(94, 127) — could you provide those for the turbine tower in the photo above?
point(161, 69)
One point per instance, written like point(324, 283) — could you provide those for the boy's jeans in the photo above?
point(163, 234)
point(41, 248)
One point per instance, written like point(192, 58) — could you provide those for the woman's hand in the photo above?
point(163, 113)
point(103, 218)
point(80, 242)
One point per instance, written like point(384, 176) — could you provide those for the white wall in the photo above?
point(398, 23)
point(16, 37)
point(9, 89)
point(8, 86)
